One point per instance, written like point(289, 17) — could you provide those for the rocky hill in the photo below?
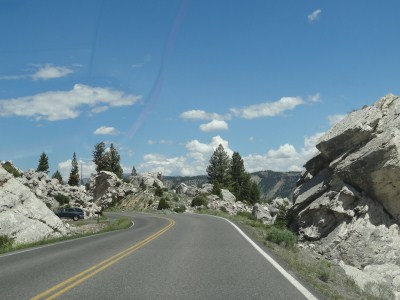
point(347, 205)
point(272, 184)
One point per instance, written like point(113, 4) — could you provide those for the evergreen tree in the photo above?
point(74, 175)
point(57, 175)
point(218, 169)
point(133, 173)
point(100, 157)
point(113, 164)
point(254, 196)
point(43, 163)
point(237, 174)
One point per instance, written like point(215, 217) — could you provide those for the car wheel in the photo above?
point(75, 218)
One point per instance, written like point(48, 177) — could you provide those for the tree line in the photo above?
point(229, 173)
point(104, 159)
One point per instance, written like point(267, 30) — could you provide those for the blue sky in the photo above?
point(168, 81)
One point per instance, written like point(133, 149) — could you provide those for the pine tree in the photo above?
point(43, 163)
point(254, 196)
point(74, 175)
point(218, 169)
point(57, 175)
point(237, 174)
point(100, 157)
point(133, 173)
point(113, 164)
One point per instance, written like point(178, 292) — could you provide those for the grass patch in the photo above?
point(121, 223)
point(282, 237)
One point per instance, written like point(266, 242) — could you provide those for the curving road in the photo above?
point(181, 256)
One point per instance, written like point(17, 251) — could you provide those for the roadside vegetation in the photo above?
point(328, 279)
point(6, 243)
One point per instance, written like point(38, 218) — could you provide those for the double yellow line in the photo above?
point(68, 284)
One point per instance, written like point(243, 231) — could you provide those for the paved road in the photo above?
point(182, 257)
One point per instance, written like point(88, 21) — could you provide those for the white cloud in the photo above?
point(202, 115)
point(44, 72)
point(334, 119)
point(99, 109)
point(315, 98)
point(62, 105)
point(214, 125)
point(193, 163)
point(285, 158)
point(49, 71)
point(267, 109)
point(315, 15)
point(88, 168)
point(106, 131)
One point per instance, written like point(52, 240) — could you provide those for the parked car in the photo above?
point(71, 213)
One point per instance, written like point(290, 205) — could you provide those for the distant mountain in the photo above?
point(272, 184)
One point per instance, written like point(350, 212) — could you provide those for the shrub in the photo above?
point(11, 169)
point(48, 205)
point(282, 217)
point(61, 199)
point(163, 204)
point(216, 190)
point(223, 209)
point(158, 192)
point(324, 271)
point(180, 209)
point(282, 237)
point(175, 198)
point(5, 242)
point(199, 201)
point(150, 202)
point(247, 215)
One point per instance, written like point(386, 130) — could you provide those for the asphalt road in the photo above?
point(180, 256)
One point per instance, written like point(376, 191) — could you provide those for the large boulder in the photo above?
point(23, 217)
point(147, 179)
point(346, 203)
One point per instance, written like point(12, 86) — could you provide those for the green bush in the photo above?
point(11, 169)
point(199, 201)
point(61, 199)
point(159, 191)
point(282, 217)
point(163, 204)
point(180, 209)
point(5, 242)
point(48, 205)
point(247, 215)
point(175, 198)
point(324, 271)
point(223, 209)
point(282, 237)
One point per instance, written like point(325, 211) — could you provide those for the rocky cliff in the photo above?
point(24, 217)
point(346, 205)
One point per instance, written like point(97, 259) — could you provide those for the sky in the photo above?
point(168, 81)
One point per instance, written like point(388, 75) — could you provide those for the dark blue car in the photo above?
point(70, 213)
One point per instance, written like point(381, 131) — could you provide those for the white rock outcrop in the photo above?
point(147, 179)
point(267, 213)
point(347, 200)
point(46, 189)
point(23, 217)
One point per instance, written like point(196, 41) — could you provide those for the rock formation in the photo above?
point(24, 217)
point(46, 189)
point(267, 213)
point(347, 200)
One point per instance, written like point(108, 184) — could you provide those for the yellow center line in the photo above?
point(79, 278)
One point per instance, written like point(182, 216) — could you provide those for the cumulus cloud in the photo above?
point(214, 125)
point(88, 168)
point(202, 115)
point(103, 130)
point(49, 71)
point(62, 105)
point(193, 163)
point(315, 15)
point(44, 72)
point(285, 158)
point(334, 119)
point(267, 109)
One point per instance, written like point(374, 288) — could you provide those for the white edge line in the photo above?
point(277, 266)
point(58, 243)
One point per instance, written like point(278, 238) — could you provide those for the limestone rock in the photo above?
point(23, 217)
point(347, 201)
